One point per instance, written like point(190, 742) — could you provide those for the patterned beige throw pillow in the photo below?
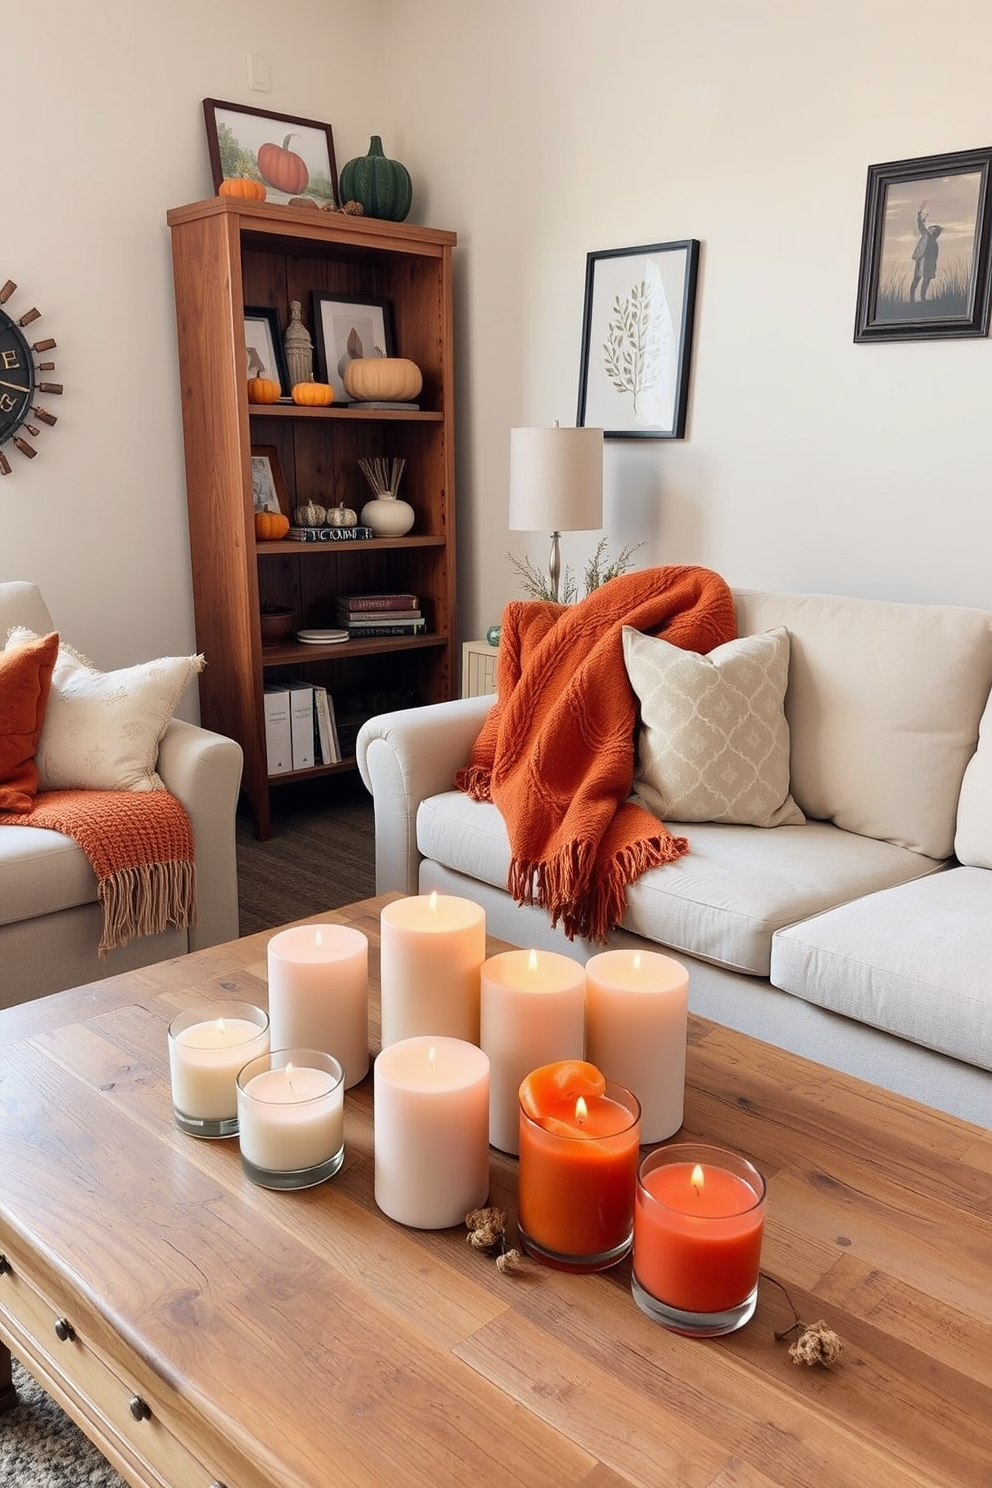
point(714, 739)
point(102, 729)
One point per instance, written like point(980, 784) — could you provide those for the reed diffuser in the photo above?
point(386, 514)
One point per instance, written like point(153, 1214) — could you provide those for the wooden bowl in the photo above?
point(277, 622)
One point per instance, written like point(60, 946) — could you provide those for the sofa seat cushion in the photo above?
point(913, 960)
point(41, 872)
point(724, 900)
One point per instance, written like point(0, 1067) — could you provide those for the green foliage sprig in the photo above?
point(537, 584)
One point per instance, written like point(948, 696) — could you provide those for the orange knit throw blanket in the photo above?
point(140, 844)
point(556, 752)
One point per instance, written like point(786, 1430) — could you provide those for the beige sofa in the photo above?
point(50, 921)
point(862, 939)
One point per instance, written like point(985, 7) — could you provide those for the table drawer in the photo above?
point(111, 1411)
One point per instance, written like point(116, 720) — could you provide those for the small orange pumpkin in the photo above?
point(263, 390)
point(313, 394)
point(242, 186)
point(269, 526)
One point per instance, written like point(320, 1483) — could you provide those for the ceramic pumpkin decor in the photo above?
point(269, 525)
point(382, 378)
point(313, 394)
point(263, 390)
point(282, 167)
point(243, 187)
point(382, 186)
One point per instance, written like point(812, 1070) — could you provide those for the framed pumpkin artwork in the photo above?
point(288, 155)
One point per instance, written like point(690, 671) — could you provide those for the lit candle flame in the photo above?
point(289, 1076)
point(532, 961)
point(696, 1180)
point(221, 1026)
point(433, 901)
point(430, 1056)
point(581, 1110)
point(318, 939)
point(637, 960)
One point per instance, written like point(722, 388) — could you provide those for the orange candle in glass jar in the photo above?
point(698, 1225)
point(579, 1140)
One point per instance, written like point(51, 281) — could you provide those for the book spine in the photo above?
point(330, 534)
point(330, 754)
point(377, 617)
point(332, 728)
point(362, 603)
point(301, 724)
point(410, 627)
point(278, 730)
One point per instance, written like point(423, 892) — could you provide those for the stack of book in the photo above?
point(300, 729)
point(372, 615)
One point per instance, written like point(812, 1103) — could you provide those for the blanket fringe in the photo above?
point(587, 899)
point(475, 781)
point(145, 900)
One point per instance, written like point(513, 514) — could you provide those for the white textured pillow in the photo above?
point(714, 740)
point(973, 837)
point(102, 729)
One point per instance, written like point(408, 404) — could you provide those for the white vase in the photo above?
point(388, 516)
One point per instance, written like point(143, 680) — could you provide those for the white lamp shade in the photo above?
point(556, 480)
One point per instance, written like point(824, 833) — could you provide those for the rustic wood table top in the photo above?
point(303, 1340)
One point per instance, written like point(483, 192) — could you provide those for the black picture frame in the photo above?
point(236, 133)
point(340, 321)
point(637, 329)
point(926, 228)
point(264, 344)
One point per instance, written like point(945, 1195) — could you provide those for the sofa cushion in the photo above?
point(724, 900)
point(973, 837)
point(913, 960)
point(25, 681)
point(102, 729)
point(883, 704)
point(41, 872)
point(713, 744)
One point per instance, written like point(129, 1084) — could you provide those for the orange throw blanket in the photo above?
point(140, 844)
point(556, 752)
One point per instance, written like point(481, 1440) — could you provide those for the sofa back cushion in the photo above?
point(884, 702)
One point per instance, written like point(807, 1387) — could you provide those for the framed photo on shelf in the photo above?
point(925, 249)
point(345, 328)
point(290, 156)
point(637, 324)
point(268, 489)
point(264, 352)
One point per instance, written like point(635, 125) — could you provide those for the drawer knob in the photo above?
point(64, 1330)
point(140, 1409)
point(4, 1265)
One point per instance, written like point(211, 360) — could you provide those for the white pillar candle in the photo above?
point(636, 1010)
point(532, 1013)
point(291, 1116)
point(431, 1105)
point(432, 947)
point(319, 993)
point(207, 1048)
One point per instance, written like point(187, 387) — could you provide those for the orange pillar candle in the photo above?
point(579, 1139)
point(698, 1224)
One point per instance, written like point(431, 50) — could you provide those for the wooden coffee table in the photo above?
point(204, 1331)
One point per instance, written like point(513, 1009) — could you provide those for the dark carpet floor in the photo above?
point(321, 855)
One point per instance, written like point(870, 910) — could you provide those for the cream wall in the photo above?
point(539, 130)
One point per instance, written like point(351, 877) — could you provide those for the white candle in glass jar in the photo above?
point(431, 1124)
point(636, 1014)
point(319, 993)
point(532, 1013)
point(290, 1116)
point(207, 1048)
point(432, 947)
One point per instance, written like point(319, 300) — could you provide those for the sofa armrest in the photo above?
point(203, 771)
point(404, 758)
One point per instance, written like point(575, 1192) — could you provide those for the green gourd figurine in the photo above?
point(382, 186)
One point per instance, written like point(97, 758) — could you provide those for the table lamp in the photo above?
point(556, 483)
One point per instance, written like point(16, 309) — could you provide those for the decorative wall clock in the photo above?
point(19, 382)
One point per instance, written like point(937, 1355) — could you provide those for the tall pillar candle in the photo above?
point(431, 1131)
point(432, 947)
point(636, 1013)
point(532, 1012)
point(319, 993)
